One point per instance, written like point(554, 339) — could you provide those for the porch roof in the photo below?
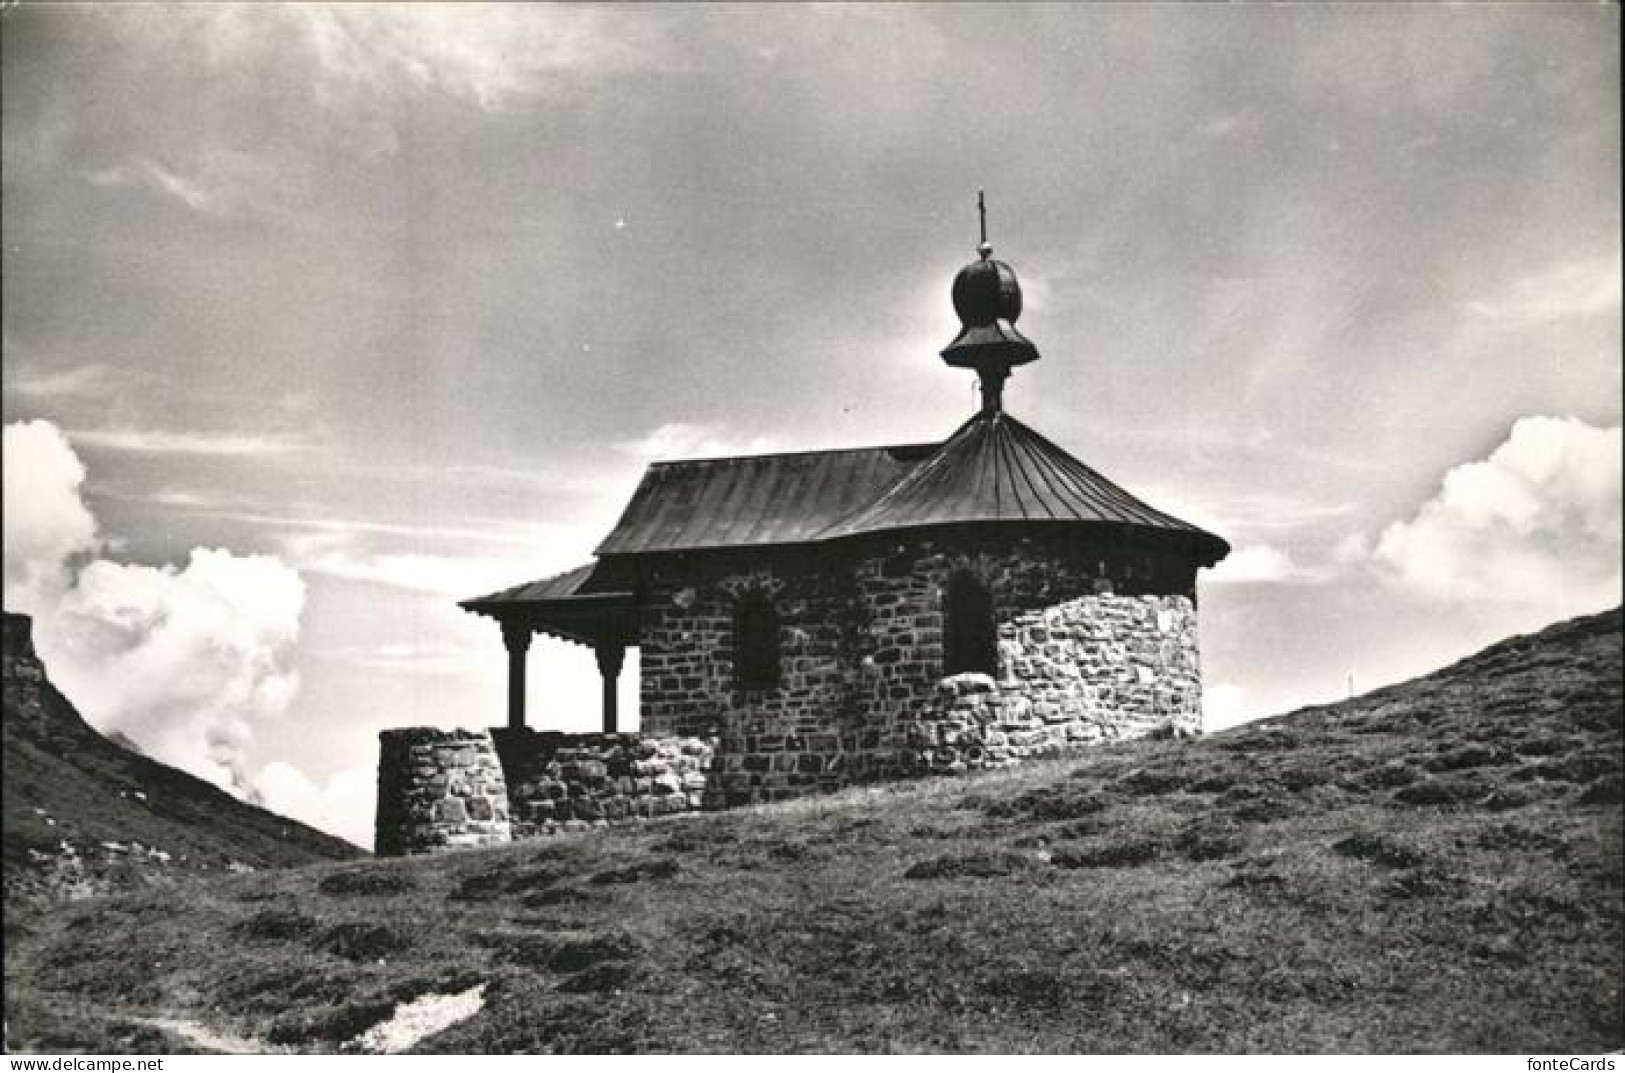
point(574, 606)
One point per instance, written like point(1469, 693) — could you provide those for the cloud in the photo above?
point(338, 555)
point(1352, 549)
point(79, 382)
point(154, 441)
point(359, 55)
point(344, 804)
point(415, 657)
point(491, 531)
point(1536, 524)
point(216, 182)
point(47, 525)
point(678, 440)
point(1566, 289)
point(1261, 564)
point(184, 660)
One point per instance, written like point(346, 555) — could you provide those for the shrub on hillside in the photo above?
point(1440, 792)
point(1604, 790)
point(540, 899)
point(275, 925)
point(977, 865)
point(1470, 756)
point(1124, 854)
point(658, 868)
point(1058, 802)
point(607, 976)
point(361, 941)
point(573, 956)
point(1378, 848)
point(364, 882)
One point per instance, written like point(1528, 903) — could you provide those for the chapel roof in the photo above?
point(755, 500)
point(993, 469)
point(996, 469)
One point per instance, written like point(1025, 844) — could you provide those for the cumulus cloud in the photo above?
point(184, 660)
point(1536, 525)
point(1257, 564)
point(47, 526)
point(344, 804)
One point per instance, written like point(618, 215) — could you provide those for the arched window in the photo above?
point(969, 638)
point(756, 642)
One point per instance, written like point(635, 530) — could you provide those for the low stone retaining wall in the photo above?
point(568, 781)
point(438, 789)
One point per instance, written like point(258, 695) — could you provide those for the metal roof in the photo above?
point(576, 605)
point(993, 469)
point(996, 469)
point(752, 501)
point(558, 587)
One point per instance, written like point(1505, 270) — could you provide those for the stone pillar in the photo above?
point(611, 657)
point(439, 789)
point(516, 637)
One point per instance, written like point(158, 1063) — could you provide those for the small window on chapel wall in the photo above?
point(756, 642)
point(969, 638)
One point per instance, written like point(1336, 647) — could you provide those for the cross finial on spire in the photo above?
point(985, 249)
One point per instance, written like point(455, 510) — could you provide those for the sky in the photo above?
point(318, 319)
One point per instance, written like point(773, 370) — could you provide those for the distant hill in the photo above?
point(85, 815)
point(1435, 866)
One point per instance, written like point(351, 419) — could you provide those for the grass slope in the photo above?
point(1432, 867)
point(84, 815)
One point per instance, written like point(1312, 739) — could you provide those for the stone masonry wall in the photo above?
point(1091, 670)
point(1097, 641)
point(439, 789)
point(770, 743)
point(559, 782)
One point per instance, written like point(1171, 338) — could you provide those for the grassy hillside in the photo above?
point(85, 815)
point(1431, 867)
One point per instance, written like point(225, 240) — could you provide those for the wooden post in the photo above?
point(611, 657)
point(516, 638)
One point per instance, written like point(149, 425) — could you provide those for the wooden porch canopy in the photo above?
point(573, 606)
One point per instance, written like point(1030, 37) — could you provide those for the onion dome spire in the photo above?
point(987, 298)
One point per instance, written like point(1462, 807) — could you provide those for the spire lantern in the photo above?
point(987, 298)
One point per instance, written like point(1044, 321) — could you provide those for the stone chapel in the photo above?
point(813, 619)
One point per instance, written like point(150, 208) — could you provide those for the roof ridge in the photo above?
point(916, 474)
